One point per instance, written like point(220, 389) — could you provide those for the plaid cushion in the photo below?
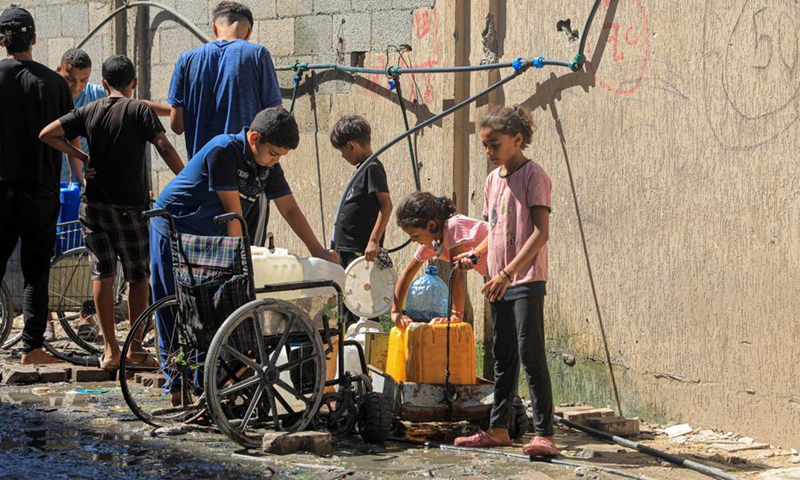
point(212, 280)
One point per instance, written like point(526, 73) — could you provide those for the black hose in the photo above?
point(501, 453)
point(181, 19)
point(581, 58)
point(407, 133)
point(674, 459)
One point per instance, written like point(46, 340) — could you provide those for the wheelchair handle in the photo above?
point(159, 212)
point(229, 217)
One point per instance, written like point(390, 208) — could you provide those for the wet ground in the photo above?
point(85, 431)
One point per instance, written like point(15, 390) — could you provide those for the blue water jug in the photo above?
point(68, 229)
point(427, 296)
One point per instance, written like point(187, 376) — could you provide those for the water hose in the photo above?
point(128, 5)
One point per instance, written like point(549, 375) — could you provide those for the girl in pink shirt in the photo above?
point(440, 232)
point(517, 204)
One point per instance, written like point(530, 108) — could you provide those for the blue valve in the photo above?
point(517, 64)
point(538, 62)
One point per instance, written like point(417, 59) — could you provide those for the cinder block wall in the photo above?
point(680, 136)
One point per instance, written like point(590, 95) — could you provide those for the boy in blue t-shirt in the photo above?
point(227, 175)
point(221, 86)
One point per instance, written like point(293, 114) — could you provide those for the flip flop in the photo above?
point(540, 447)
point(150, 363)
point(108, 367)
point(480, 440)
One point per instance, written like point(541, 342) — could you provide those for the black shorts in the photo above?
point(111, 232)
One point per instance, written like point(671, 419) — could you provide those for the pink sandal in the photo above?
point(480, 440)
point(540, 447)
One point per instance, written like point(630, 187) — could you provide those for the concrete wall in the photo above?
point(680, 137)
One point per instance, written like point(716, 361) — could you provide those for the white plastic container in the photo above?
point(280, 266)
point(358, 332)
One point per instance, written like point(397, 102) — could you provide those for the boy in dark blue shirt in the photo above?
point(226, 176)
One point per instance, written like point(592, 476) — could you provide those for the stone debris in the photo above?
point(781, 474)
point(676, 430)
point(278, 443)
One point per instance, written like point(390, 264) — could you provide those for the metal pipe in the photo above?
point(674, 459)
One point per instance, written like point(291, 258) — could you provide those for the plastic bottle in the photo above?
point(427, 296)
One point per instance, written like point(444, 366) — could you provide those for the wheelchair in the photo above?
point(248, 365)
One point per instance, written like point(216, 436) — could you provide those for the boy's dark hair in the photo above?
point(118, 71)
point(511, 121)
point(76, 58)
point(276, 126)
point(233, 12)
point(17, 29)
point(417, 209)
point(351, 128)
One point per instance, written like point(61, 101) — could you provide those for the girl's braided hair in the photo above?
point(511, 121)
point(417, 209)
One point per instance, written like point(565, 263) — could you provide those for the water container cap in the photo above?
point(432, 270)
point(368, 288)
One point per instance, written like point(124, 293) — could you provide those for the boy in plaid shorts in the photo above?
point(118, 129)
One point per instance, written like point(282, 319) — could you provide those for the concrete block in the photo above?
point(173, 42)
point(585, 416)
point(262, 9)
point(355, 30)
point(54, 374)
point(620, 426)
point(277, 36)
point(74, 19)
point(154, 380)
point(89, 374)
point(332, 6)
point(56, 48)
point(375, 5)
point(294, 8)
point(391, 27)
point(320, 443)
point(48, 21)
point(312, 34)
point(20, 374)
point(196, 11)
point(413, 3)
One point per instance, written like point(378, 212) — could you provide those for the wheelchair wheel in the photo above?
point(264, 372)
point(72, 303)
point(6, 314)
point(148, 389)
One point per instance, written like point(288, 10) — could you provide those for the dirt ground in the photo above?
point(76, 431)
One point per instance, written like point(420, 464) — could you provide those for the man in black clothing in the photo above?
point(31, 96)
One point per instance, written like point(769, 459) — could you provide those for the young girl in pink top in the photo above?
point(517, 205)
point(433, 224)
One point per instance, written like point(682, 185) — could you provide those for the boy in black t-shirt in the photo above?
point(368, 205)
point(117, 192)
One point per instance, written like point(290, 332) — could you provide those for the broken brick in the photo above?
point(88, 374)
point(320, 443)
point(20, 374)
point(584, 417)
point(154, 380)
point(53, 374)
point(619, 426)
